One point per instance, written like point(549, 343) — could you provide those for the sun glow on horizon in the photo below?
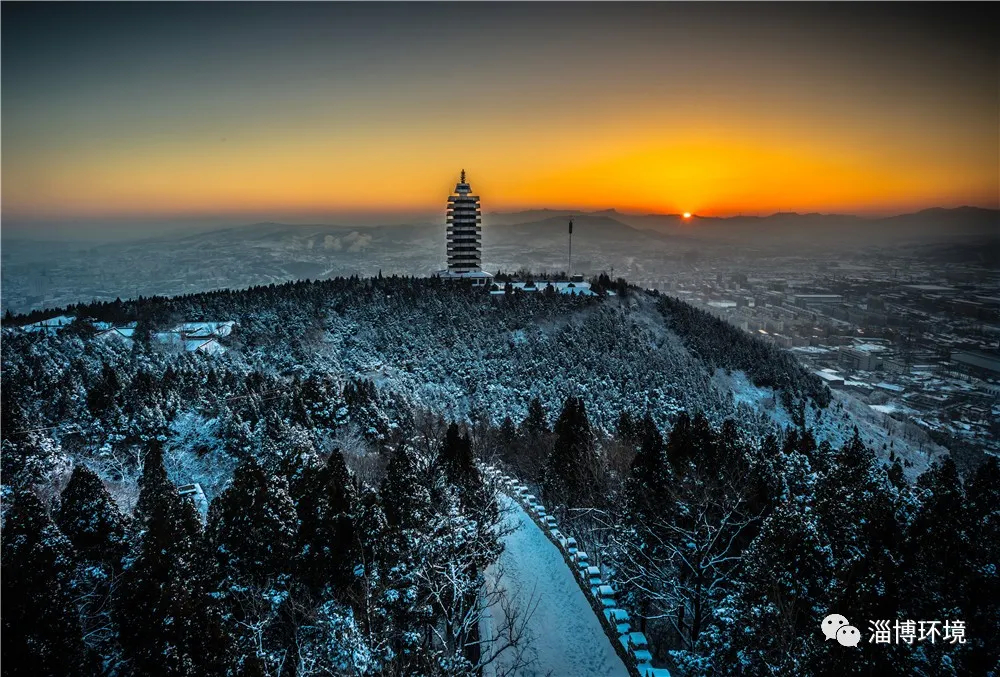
point(362, 124)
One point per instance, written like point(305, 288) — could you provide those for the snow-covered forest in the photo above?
point(349, 529)
point(727, 552)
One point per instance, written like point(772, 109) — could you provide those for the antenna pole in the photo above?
point(571, 249)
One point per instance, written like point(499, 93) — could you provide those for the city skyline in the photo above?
point(296, 111)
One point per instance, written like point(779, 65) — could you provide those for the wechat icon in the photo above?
point(839, 628)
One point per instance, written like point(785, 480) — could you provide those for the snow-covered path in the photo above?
point(565, 638)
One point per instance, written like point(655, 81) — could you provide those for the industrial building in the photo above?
point(977, 363)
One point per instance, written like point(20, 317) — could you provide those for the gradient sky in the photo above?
point(144, 110)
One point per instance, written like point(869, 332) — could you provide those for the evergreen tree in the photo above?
point(982, 603)
point(405, 500)
point(857, 512)
point(90, 519)
point(41, 630)
point(680, 443)
point(535, 442)
point(626, 429)
point(571, 472)
point(371, 526)
point(769, 624)
point(936, 564)
point(252, 527)
point(730, 459)
point(153, 484)
point(646, 487)
point(456, 458)
point(646, 510)
point(505, 440)
point(704, 444)
point(535, 424)
point(896, 475)
point(104, 391)
point(326, 554)
point(168, 624)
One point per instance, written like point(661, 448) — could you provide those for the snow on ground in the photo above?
point(565, 637)
point(835, 424)
point(892, 408)
point(879, 430)
point(743, 391)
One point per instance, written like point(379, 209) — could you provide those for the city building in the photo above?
point(978, 363)
point(858, 360)
point(831, 378)
point(810, 299)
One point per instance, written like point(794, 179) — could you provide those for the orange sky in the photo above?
point(719, 123)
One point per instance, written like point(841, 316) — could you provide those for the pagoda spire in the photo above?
point(464, 230)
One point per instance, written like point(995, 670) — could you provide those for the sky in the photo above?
point(149, 113)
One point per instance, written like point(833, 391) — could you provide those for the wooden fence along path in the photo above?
point(631, 646)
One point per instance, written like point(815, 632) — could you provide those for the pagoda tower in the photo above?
point(465, 230)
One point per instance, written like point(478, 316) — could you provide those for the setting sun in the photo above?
point(687, 215)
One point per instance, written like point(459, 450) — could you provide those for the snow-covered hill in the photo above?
point(489, 358)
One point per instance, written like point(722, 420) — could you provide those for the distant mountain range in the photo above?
point(937, 224)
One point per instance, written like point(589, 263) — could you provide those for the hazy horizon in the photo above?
point(124, 228)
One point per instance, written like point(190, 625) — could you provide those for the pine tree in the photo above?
point(896, 475)
point(535, 424)
point(252, 527)
point(680, 443)
point(769, 625)
point(982, 596)
point(730, 458)
point(648, 480)
point(936, 563)
point(535, 442)
point(154, 483)
point(405, 500)
point(646, 509)
point(90, 519)
point(104, 391)
point(456, 458)
point(570, 477)
point(505, 440)
point(168, 624)
point(704, 444)
point(857, 511)
point(41, 630)
point(371, 526)
point(626, 429)
point(326, 554)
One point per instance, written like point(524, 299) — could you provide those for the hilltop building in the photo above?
point(201, 337)
point(464, 236)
